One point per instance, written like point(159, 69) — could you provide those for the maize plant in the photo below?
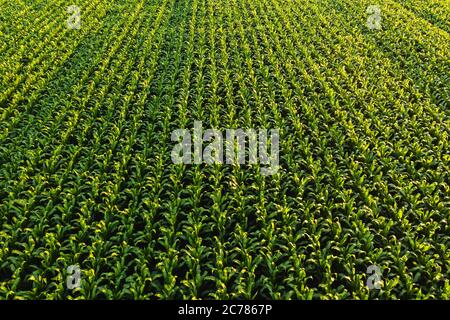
point(92, 205)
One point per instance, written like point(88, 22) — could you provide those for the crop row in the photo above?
point(86, 176)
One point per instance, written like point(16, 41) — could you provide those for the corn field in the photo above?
point(91, 92)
